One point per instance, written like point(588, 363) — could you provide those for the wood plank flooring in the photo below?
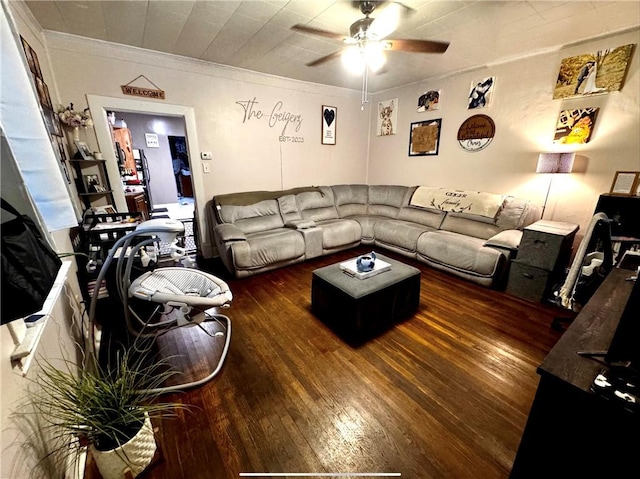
point(444, 394)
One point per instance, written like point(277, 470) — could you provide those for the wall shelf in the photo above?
point(97, 174)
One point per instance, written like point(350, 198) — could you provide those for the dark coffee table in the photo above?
point(359, 309)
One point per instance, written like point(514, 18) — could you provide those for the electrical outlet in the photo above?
point(206, 155)
point(206, 168)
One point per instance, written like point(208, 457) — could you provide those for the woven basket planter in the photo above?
point(133, 456)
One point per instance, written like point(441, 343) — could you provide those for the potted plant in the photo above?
point(108, 411)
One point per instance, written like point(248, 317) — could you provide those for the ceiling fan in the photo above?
point(369, 34)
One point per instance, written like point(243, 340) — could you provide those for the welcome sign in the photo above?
point(130, 89)
point(476, 132)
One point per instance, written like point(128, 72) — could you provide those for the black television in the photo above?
point(624, 348)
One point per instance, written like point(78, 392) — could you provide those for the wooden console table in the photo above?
point(572, 432)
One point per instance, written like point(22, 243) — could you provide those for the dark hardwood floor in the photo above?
point(444, 394)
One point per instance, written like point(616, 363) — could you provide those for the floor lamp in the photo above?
point(554, 163)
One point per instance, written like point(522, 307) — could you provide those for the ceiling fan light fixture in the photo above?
point(353, 60)
point(374, 56)
point(368, 55)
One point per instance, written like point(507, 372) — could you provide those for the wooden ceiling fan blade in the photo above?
point(317, 31)
point(325, 58)
point(418, 46)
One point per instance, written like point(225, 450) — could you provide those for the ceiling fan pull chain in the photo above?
point(365, 86)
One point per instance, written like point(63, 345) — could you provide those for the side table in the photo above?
point(543, 255)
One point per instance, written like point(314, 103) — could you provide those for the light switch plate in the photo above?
point(206, 168)
point(206, 155)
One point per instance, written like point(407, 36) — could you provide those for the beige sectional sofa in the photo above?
point(262, 230)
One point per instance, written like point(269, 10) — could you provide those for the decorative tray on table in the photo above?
point(349, 267)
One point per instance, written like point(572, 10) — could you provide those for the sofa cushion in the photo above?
point(387, 200)
point(427, 217)
point(261, 216)
point(469, 227)
point(227, 232)
point(268, 247)
point(367, 222)
point(351, 199)
point(459, 252)
point(400, 234)
point(317, 206)
point(289, 209)
point(337, 233)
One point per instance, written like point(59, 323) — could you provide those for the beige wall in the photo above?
point(247, 153)
point(525, 116)
point(247, 143)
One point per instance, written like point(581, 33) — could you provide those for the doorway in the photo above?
point(100, 105)
point(161, 168)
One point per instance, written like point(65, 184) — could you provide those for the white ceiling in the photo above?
point(256, 34)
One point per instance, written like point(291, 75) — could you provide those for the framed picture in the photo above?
point(424, 137)
point(481, 93)
point(32, 58)
point(92, 184)
point(329, 121)
point(84, 150)
point(575, 126)
point(57, 126)
point(387, 117)
point(66, 173)
point(592, 73)
point(52, 122)
point(36, 64)
point(429, 101)
point(43, 94)
point(625, 183)
point(60, 146)
point(58, 149)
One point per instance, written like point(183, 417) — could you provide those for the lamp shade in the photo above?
point(555, 162)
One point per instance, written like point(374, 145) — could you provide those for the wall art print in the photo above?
point(387, 117)
point(424, 137)
point(593, 73)
point(429, 101)
point(481, 93)
point(575, 126)
point(625, 183)
point(329, 123)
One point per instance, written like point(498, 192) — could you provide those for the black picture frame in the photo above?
point(52, 122)
point(424, 137)
point(43, 94)
point(329, 124)
point(84, 150)
point(61, 151)
point(92, 184)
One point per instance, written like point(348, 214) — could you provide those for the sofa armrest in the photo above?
point(507, 239)
point(300, 224)
point(227, 232)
